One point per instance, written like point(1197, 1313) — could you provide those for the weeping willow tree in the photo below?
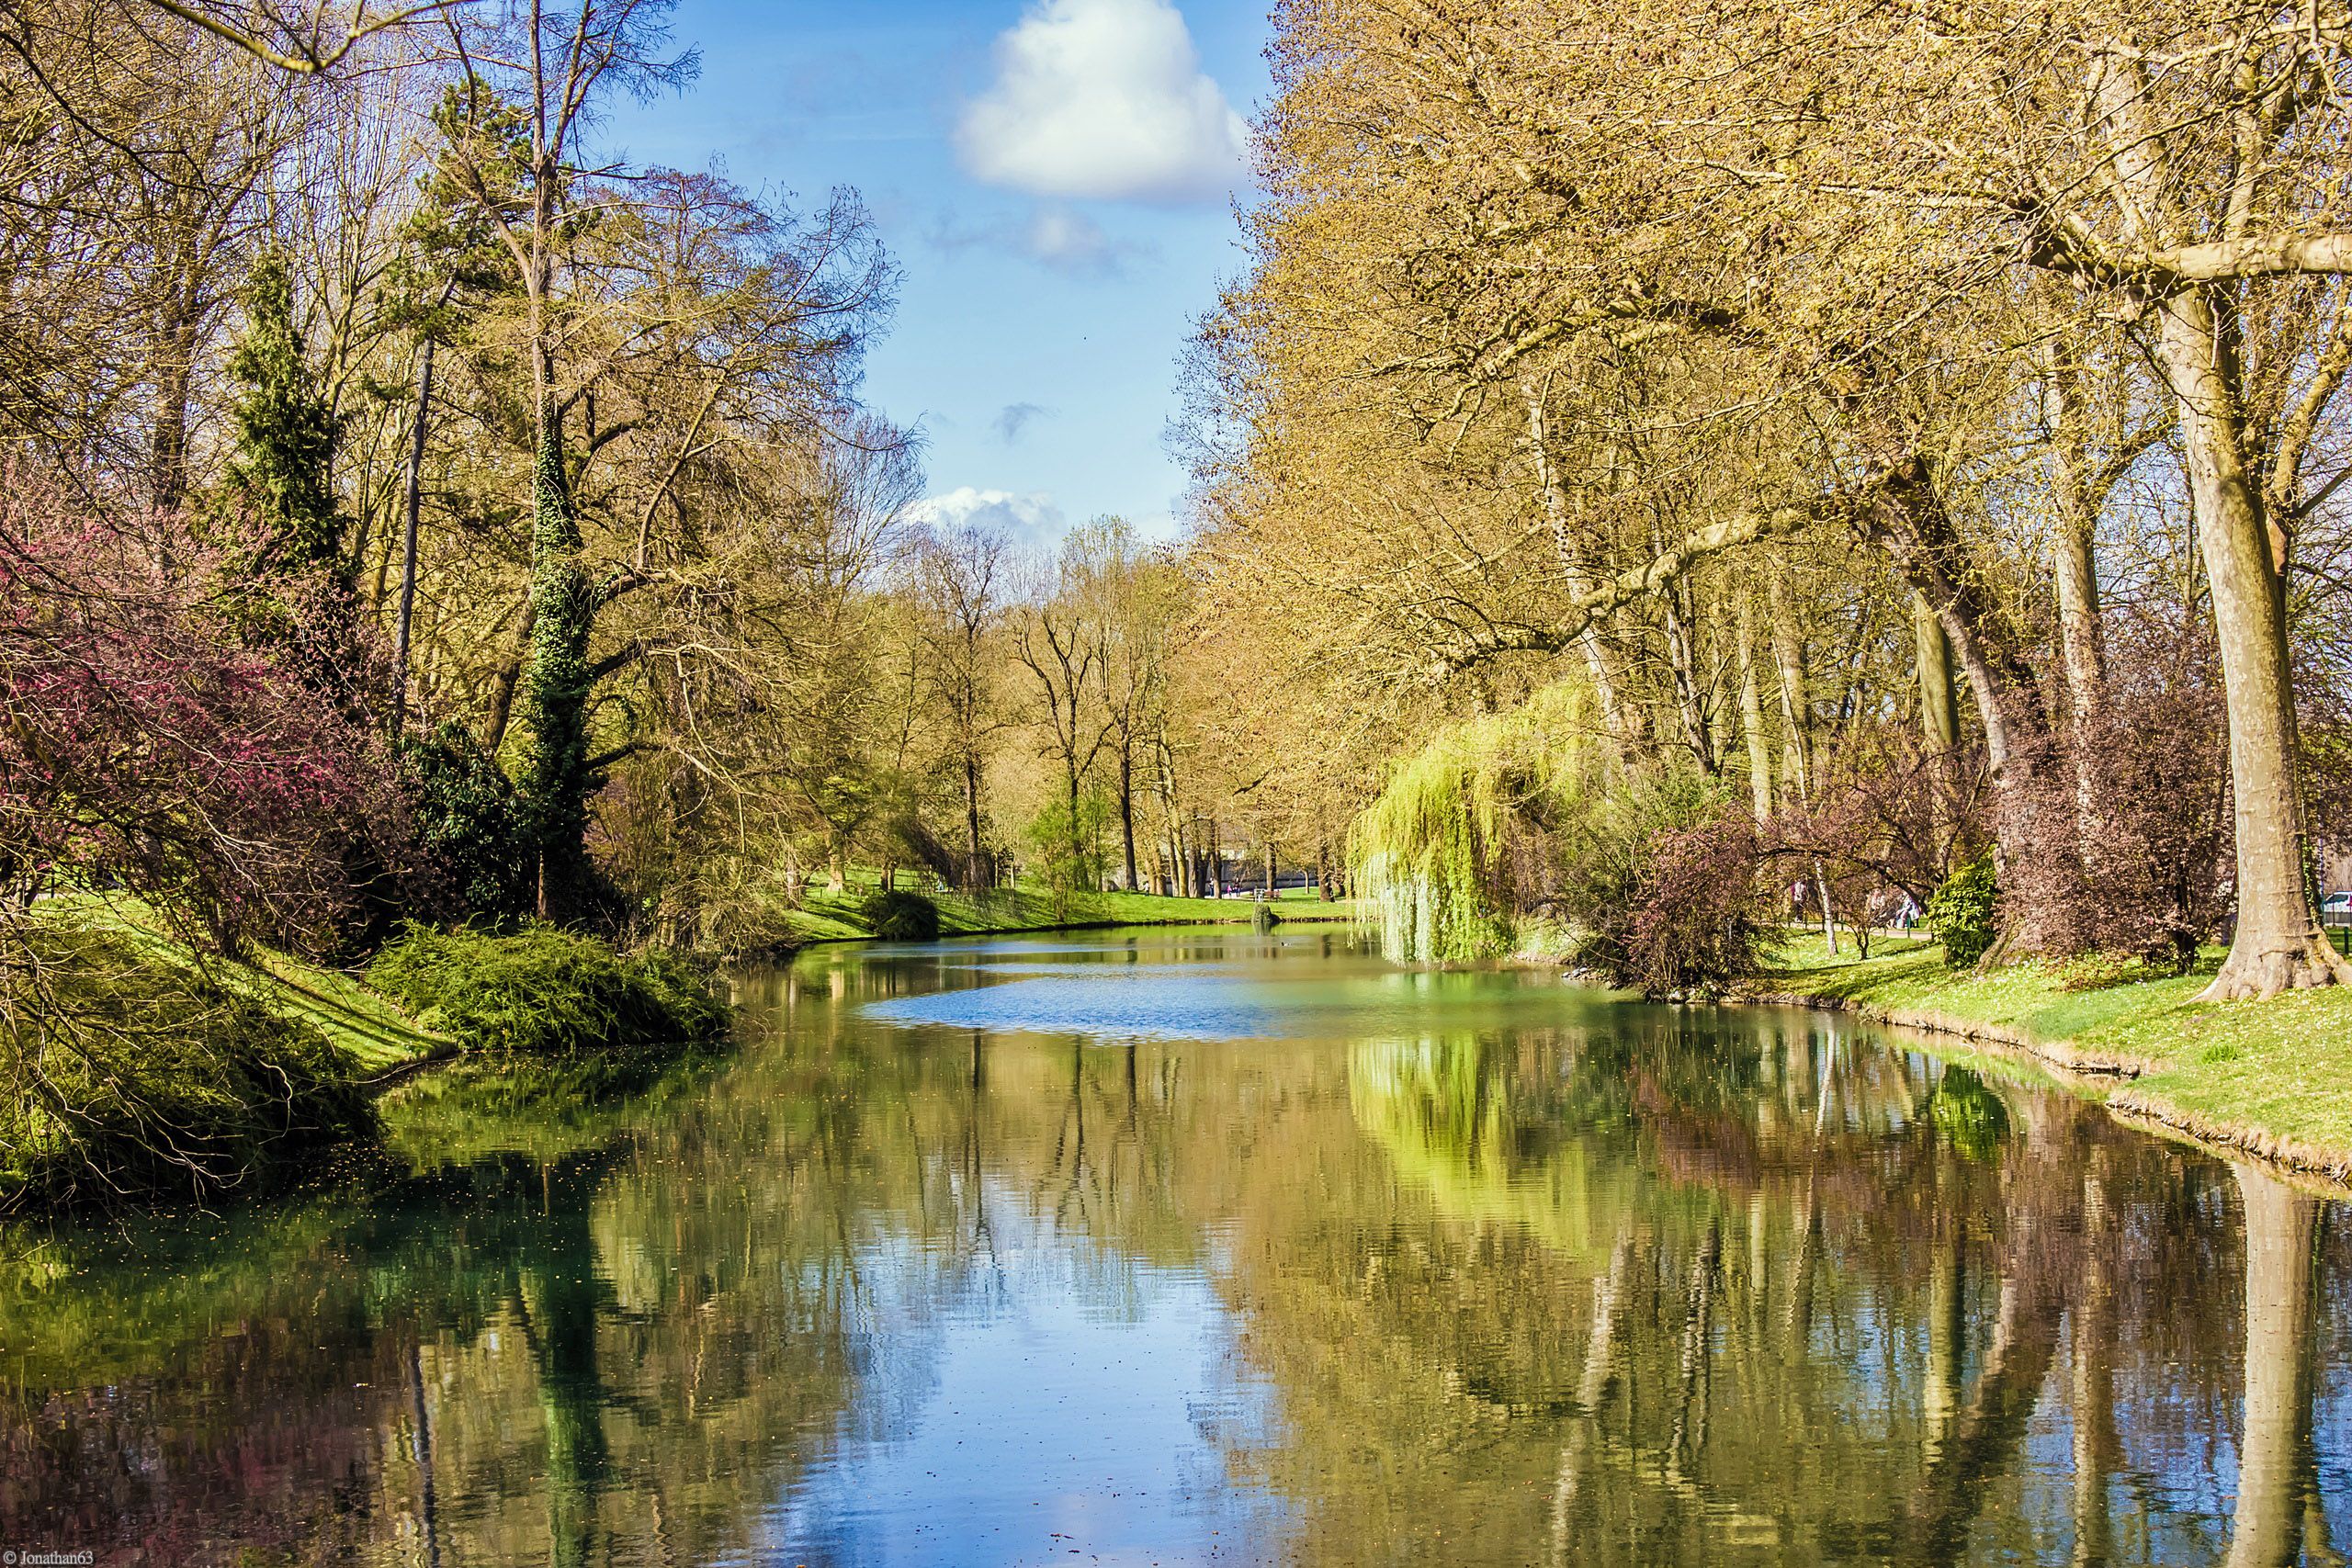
point(1442, 855)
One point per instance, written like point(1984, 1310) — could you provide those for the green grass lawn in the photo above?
point(2265, 1071)
point(837, 917)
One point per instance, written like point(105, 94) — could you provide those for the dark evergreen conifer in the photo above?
point(283, 472)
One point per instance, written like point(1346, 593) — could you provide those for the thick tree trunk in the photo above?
point(972, 873)
point(1075, 843)
point(174, 378)
point(554, 786)
point(2080, 637)
point(2277, 1468)
point(1127, 810)
point(2278, 944)
point(1939, 713)
point(2081, 642)
point(2035, 846)
point(1939, 686)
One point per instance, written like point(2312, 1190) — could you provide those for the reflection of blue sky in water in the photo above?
point(1143, 1005)
point(1242, 997)
point(1074, 1405)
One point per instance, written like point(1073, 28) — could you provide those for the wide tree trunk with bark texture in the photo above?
point(1939, 711)
point(2278, 944)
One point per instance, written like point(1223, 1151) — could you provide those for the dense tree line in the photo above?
point(412, 511)
point(1922, 426)
point(510, 512)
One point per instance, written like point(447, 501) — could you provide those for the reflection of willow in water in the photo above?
point(1682, 1294)
point(1677, 1287)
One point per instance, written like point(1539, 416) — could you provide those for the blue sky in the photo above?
point(1055, 178)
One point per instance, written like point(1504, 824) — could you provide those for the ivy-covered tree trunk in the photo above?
point(554, 784)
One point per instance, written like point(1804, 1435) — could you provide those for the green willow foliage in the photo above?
point(1431, 854)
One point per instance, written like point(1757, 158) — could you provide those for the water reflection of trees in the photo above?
point(552, 1335)
point(532, 1354)
point(1684, 1292)
point(1673, 1287)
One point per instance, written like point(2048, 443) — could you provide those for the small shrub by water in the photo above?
point(903, 917)
point(1964, 913)
point(1657, 885)
point(124, 1074)
point(547, 993)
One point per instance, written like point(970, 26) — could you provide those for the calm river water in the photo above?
point(1204, 1248)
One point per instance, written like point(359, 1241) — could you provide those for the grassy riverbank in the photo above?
point(2272, 1076)
point(1005, 912)
point(152, 1070)
point(366, 1029)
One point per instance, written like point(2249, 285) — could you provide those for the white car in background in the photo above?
point(2336, 910)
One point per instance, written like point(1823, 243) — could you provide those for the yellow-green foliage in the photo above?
point(1426, 854)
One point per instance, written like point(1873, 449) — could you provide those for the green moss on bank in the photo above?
point(2272, 1075)
point(369, 1030)
point(547, 993)
point(132, 1069)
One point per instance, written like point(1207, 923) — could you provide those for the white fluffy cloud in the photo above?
point(1104, 100)
point(1030, 520)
